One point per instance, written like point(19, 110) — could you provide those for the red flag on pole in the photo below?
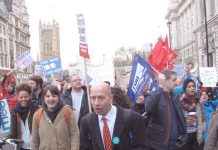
point(162, 56)
point(171, 55)
point(157, 58)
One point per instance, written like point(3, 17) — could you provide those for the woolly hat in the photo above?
point(186, 82)
point(210, 93)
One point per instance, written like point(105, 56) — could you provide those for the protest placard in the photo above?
point(23, 60)
point(40, 71)
point(179, 69)
point(208, 76)
point(52, 66)
point(4, 116)
point(83, 44)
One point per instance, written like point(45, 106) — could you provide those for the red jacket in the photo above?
point(12, 100)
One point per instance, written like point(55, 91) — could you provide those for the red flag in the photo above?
point(157, 58)
point(171, 55)
point(162, 56)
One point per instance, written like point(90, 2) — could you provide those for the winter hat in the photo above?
point(186, 82)
point(210, 93)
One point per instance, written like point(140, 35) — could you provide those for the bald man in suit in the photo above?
point(110, 127)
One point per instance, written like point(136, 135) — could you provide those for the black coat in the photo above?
point(15, 130)
point(158, 107)
point(129, 128)
point(67, 99)
point(38, 100)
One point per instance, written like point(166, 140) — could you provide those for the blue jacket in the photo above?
point(209, 107)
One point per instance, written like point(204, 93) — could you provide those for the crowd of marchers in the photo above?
point(180, 114)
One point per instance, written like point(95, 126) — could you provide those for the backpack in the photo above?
point(66, 115)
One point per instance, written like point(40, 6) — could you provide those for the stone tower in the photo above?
point(49, 40)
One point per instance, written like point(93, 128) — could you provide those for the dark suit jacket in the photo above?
point(129, 128)
point(67, 99)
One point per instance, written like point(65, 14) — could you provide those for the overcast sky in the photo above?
point(109, 24)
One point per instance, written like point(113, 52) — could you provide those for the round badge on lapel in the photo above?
point(116, 140)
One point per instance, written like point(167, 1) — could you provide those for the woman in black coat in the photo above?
point(21, 116)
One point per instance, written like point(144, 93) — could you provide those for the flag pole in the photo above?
point(8, 73)
point(154, 69)
point(87, 86)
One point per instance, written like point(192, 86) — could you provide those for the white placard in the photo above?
point(24, 60)
point(208, 76)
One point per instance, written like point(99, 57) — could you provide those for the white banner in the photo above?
point(4, 116)
point(179, 69)
point(40, 71)
point(208, 76)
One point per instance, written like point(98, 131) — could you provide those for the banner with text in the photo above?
point(140, 76)
point(208, 76)
point(52, 66)
point(83, 45)
point(179, 69)
point(4, 116)
point(23, 60)
point(40, 71)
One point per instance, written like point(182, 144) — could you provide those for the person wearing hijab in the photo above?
point(21, 116)
point(189, 102)
point(53, 131)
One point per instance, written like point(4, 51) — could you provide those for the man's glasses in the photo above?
point(77, 80)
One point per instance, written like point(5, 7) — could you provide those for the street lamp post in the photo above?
point(206, 32)
point(151, 46)
point(169, 25)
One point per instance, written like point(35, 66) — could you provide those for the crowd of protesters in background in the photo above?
point(181, 114)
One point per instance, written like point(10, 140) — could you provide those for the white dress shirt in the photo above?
point(110, 117)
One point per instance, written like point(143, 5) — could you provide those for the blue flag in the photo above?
point(140, 76)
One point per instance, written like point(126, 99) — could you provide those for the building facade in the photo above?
point(49, 40)
point(186, 22)
point(14, 35)
point(123, 65)
point(4, 52)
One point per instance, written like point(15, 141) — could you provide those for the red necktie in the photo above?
point(106, 135)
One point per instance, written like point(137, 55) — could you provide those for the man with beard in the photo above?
point(35, 83)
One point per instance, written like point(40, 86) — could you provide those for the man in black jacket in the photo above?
point(110, 127)
point(166, 129)
point(35, 83)
point(76, 97)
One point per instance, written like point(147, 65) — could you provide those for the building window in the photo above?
point(1, 60)
point(212, 7)
point(6, 63)
point(210, 57)
point(4, 30)
point(202, 60)
point(5, 45)
point(0, 28)
point(44, 46)
point(1, 46)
